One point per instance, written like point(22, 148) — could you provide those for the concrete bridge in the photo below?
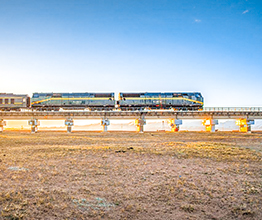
point(244, 117)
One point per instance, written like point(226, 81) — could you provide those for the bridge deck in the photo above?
point(207, 113)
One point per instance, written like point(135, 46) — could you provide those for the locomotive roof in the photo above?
point(158, 93)
point(72, 93)
point(12, 94)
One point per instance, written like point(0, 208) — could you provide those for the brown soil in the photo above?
point(124, 175)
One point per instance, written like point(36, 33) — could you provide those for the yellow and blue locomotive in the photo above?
point(159, 100)
point(55, 101)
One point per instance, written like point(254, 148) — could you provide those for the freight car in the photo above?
point(157, 100)
point(10, 101)
point(70, 101)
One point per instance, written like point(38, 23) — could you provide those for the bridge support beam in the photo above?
point(69, 123)
point(174, 123)
point(210, 124)
point(245, 124)
point(105, 123)
point(2, 124)
point(140, 122)
point(34, 125)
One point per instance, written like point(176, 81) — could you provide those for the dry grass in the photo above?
point(187, 175)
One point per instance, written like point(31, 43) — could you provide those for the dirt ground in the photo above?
point(124, 175)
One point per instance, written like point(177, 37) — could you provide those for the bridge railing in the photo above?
point(233, 109)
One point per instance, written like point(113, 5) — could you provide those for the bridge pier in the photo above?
point(210, 124)
point(140, 122)
point(69, 123)
point(2, 124)
point(34, 125)
point(105, 123)
point(174, 123)
point(245, 124)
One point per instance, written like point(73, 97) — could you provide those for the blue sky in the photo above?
point(211, 46)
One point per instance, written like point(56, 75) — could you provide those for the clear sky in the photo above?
point(211, 46)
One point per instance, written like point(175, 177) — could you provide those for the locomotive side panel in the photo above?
point(186, 101)
point(132, 100)
point(73, 100)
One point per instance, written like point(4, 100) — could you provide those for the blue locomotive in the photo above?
point(55, 101)
point(159, 100)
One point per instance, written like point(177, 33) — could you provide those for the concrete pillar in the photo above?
point(210, 124)
point(174, 123)
point(140, 122)
point(2, 124)
point(69, 123)
point(245, 124)
point(105, 122)
point(34, 123)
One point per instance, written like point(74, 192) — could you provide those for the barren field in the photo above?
point(118, 175)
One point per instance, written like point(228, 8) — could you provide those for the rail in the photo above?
point(233, 109)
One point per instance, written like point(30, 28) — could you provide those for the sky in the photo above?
point(209, 46)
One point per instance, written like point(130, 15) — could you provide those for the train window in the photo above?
point(35, 95)
point(132, 94)
point(102, 95)
point(12, 101)
point(57, 95)
point(6, 101)
point(1, 101)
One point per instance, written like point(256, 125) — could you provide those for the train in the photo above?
point(185, 101)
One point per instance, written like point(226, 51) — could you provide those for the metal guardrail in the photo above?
point(206, 109)
point(233, 109)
